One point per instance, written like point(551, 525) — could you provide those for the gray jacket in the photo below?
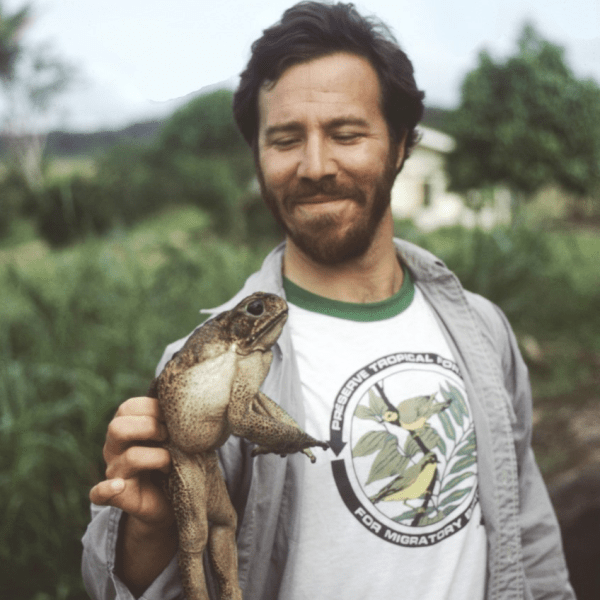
point(525, 559)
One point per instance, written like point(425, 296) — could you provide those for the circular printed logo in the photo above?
point(405, 443)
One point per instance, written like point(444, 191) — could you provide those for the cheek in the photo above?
point(276, 170)
point(365, 162)
point(367, 173)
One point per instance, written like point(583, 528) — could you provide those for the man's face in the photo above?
point(326, 163)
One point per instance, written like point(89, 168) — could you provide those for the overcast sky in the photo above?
point(131, 52)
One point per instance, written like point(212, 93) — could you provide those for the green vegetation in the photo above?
point(197, 158)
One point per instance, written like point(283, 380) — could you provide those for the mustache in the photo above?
point(306, 190)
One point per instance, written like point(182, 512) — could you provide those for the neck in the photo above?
point(372, 277)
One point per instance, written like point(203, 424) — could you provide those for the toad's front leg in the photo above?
point(263, 422)
point(262, 404)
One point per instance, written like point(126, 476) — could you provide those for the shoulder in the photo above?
point(492, 320)
point(429, 271)
point(500, 341)
point(489, 317)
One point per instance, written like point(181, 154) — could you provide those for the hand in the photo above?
point(134, 459)
point(133, 455)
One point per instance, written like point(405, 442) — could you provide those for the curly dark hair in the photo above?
point(310, 30)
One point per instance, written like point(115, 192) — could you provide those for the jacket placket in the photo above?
point(497, 460)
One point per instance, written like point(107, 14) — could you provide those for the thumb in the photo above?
point(106, 492)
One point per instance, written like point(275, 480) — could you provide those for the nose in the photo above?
point(316, 161)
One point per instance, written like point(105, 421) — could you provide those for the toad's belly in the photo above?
point(202, 437)
point(195, 404)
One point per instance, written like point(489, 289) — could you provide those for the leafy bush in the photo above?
point(208, 183)
point(133, 183)
point(129, 177)
point(199, 159)
point(15, 199)
point(205, 125)
point(71, 210)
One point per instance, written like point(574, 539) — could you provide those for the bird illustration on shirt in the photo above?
point(412, 483)
point(413, 413)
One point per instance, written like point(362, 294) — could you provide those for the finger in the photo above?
point(105, 492)
point(134, 498)
point(137, 459)
point(126, 430)
point(142, 405)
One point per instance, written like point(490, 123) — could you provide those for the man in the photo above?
point(430, 489)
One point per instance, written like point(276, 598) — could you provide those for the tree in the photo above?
point(205, 127)
point(31, 78)
point(526, 122)
point(10, 28)
point(204, 160)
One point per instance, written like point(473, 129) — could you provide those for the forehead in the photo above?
point(331, 86)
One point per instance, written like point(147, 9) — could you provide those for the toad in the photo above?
point(208, 391)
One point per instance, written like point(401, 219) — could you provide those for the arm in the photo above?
point(129, 545)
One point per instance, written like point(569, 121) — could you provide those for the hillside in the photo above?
point(69, 144)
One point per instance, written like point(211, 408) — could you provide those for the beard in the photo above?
point(324, 238)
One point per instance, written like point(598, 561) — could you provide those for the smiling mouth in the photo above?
point(320, 201)
point(320, 198)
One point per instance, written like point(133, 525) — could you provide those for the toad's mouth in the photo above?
point(264, 333)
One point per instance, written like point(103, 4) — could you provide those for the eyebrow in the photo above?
point(294, 126)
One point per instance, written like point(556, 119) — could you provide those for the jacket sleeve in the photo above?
point(543, 559)
point(98, 563)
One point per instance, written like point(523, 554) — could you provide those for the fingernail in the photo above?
point(117, 485)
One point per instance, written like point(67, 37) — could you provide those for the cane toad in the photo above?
point(207, 391)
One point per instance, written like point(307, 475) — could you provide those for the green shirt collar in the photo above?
point(369, 311)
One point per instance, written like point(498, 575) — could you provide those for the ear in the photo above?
point(401, 151)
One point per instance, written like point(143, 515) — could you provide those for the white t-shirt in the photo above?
point(391, 510)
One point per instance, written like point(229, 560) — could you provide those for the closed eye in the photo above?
point(286, 142)
point(347, 137)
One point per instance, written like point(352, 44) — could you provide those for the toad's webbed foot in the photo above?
point(292, 449)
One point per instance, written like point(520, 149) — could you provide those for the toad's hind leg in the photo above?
point(188, 493)
point(221, 538)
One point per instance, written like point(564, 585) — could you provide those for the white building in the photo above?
point(420, 191)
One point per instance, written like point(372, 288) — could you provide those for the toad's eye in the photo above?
point(256, 308)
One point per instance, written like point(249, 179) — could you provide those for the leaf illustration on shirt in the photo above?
point(403, 444)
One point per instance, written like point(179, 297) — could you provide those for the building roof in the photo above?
point(434, 139)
